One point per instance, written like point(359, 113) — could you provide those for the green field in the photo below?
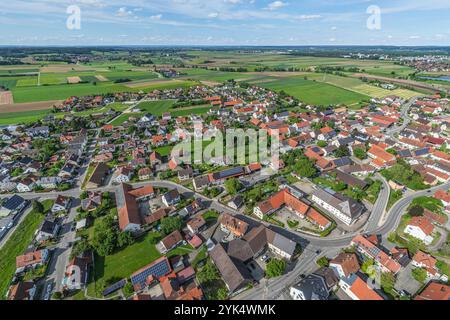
point(17, 244)
point(22, 117)
point(314, 92)
point(156, 107)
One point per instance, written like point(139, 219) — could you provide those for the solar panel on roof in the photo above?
point(116, 286)
point(156, 270)
point(13, 202)
point(230, 172)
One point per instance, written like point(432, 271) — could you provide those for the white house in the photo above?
point(420, 228)
point(61, 204)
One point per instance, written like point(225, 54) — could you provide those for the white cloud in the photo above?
point(276, 5)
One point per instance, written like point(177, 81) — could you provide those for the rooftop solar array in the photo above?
point(228, 173)
point(13, 202)
point(157, 269)
point(116, 286)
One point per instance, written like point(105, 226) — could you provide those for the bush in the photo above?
point(275, 268)
point(420, 274)
point(323, 262)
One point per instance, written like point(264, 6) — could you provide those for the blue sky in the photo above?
point(225, 22)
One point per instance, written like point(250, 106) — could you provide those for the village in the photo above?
point(354, 195)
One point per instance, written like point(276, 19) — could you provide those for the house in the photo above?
point(192, 208)
point(196, 224)
point(345, 264)
point(128, 209)
point(144, 174)
point(158, 215)
point(146, 275)
point(32, 259)
point(200, 183)
point(170, 242)
point(92, 202)
point(312, 287)
point(230, 224)
point(76, 275)
point(277, 201)
point(420, 228)
point(427, 262)
point(435, 291)
point(156, 159)
point(234, 273)
point(13, 206)
point(358, 289)
point(369, 248)
point(185, 174)
point(49, 182)
point(344, 208)
point(443, 196)
point(61, 204)
point(98, 177)
point(122, 175)
point(236, 202)
point(22, 291)
point(26, 185)
point(171, 198)
point(48, 230)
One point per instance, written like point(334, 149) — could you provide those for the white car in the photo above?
point(264, 258)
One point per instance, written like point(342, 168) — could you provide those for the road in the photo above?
point(380, 205)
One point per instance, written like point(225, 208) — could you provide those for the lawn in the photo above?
point(17, 244)
point(123, 263)
point(314, 92)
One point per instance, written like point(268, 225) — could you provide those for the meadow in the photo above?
point(314, 92)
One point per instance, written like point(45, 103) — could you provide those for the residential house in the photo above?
point(170, 242)
point(171, 198)
point(358, 289)
point(344, 208)
point(420, 228)
point(22, 291)
point(61, 204)
point(345, 264)
point(48, 230)
point(230, 224)
point(98, 177)
point(76, 275)
point(32, 259)
point(196, 224)
point(434, 292)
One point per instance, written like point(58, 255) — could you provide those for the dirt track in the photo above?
point(24, 107)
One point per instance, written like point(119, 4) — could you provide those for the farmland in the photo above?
point(314, 92)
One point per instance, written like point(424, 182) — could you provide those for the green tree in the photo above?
point(275, 268)
point(416, 211)
point(222, 294)
point(208, 273)
point(322, 143)
point(38, 207)
point(125, 239)
point(387, 282)
point(420, 274)
point(360, 153)
point(323, 262)
point(233, 186)
point(170, 224)
point(305, 168)
point(342, 151)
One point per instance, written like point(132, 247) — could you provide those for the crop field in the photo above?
point(356, 85)
point(22, 117)
point(156, 107)
point(314, 92)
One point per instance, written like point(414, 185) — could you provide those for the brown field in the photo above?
point(6, 97)
point(210, 83)
point(33, 106)
point(148, 83)
point(277, 74)
point(56, 68)
point(73, 80)
point(101, 78)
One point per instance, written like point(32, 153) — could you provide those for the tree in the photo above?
point(38, 207)
point(305, 168)
point(323, 262)
point(275, 268)
point(57, 295)
point(360, 153)
point(416, 211)
point(170, 224)
point(420, 274)
point(105, 236)
point(342, 151)
point(222, 294)
point(387, 282)
point(322, 143)
point(233, 186)
point(208, 273)
point(125, 239)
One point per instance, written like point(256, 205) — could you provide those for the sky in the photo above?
point(225, 22)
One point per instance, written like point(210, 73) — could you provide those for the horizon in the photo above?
point(224, 23)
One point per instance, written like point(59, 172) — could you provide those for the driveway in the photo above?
point(406, 282)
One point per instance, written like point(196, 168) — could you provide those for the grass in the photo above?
point(23, 117)
point(314, 92)
point(123, 263)
point(17, 244)
point(156, 107)
point(394, 196)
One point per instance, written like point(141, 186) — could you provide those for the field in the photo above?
point(16, 245)
point(314, 92)
point(22, 117)
point(6, 97)
point(24, 107)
